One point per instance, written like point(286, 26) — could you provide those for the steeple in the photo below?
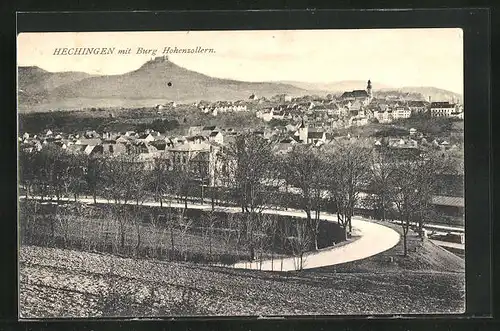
point(369, 88)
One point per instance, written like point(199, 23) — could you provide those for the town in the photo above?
point(291, 122)
point(306, 120)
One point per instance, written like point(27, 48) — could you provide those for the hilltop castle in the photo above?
point(163, 58)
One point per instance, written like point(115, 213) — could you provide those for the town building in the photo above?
point(401, 112)
point(199, 158)
point(442, 109)
point(418, 106)
point(365, 96)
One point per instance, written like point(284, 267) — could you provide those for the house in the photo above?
point(61, 144)
point(358, 120)
point(418, 106)
point(316, 137)
point(93, 149)
point(122, 139)
point(401, 112)
point(195, 139)
point(442, 109)
point(402, 143)
point(449, 205)
point(160, 145)
point(384, 116)
point(143, 148)
point(333, 108)
point(194, 130)
point(199, 157)
point(90, 142)
point(209, 128)
point(284, 145)
point(278, 115)
point(114, 149)
point(266, 114)
point(216, 136)
point(206, 131)
point(146, 137)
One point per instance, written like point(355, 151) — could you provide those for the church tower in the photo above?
point(369, 89)
point(303, 132)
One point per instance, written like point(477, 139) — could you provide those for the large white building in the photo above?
point(442, 109)
point(401, 112)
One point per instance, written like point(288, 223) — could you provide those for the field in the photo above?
point(67, 283)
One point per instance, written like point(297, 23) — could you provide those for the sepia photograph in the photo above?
point(241, 173)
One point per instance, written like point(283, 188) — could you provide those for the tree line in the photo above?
point(249, 174)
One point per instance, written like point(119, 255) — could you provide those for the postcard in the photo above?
point(241, 173)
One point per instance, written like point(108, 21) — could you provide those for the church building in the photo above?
point(365, 96)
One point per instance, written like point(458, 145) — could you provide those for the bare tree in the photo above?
point(271, 228)
point(413, 186)
point(159, 178)
point(180, 180)
point(300, 239)
point(348, 176)
point(27, 170)
point(249, 169)
point(94, 175)
point(304, 170)
point(210, 222)
point(75, 175)
point(382, 171)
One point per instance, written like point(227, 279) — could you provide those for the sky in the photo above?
point(394, 57)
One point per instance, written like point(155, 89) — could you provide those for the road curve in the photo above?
point(373, 239)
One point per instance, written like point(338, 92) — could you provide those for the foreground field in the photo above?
point(65, 283)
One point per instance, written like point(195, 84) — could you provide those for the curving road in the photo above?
point(373, 239)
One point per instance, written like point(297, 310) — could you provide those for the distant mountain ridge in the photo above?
point(35, 84)
point(156, 79)
point(337, 87)
point(435, 94)
point(161, 79)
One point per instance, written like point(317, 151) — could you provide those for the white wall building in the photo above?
point(442, 109)
point(401, 112)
